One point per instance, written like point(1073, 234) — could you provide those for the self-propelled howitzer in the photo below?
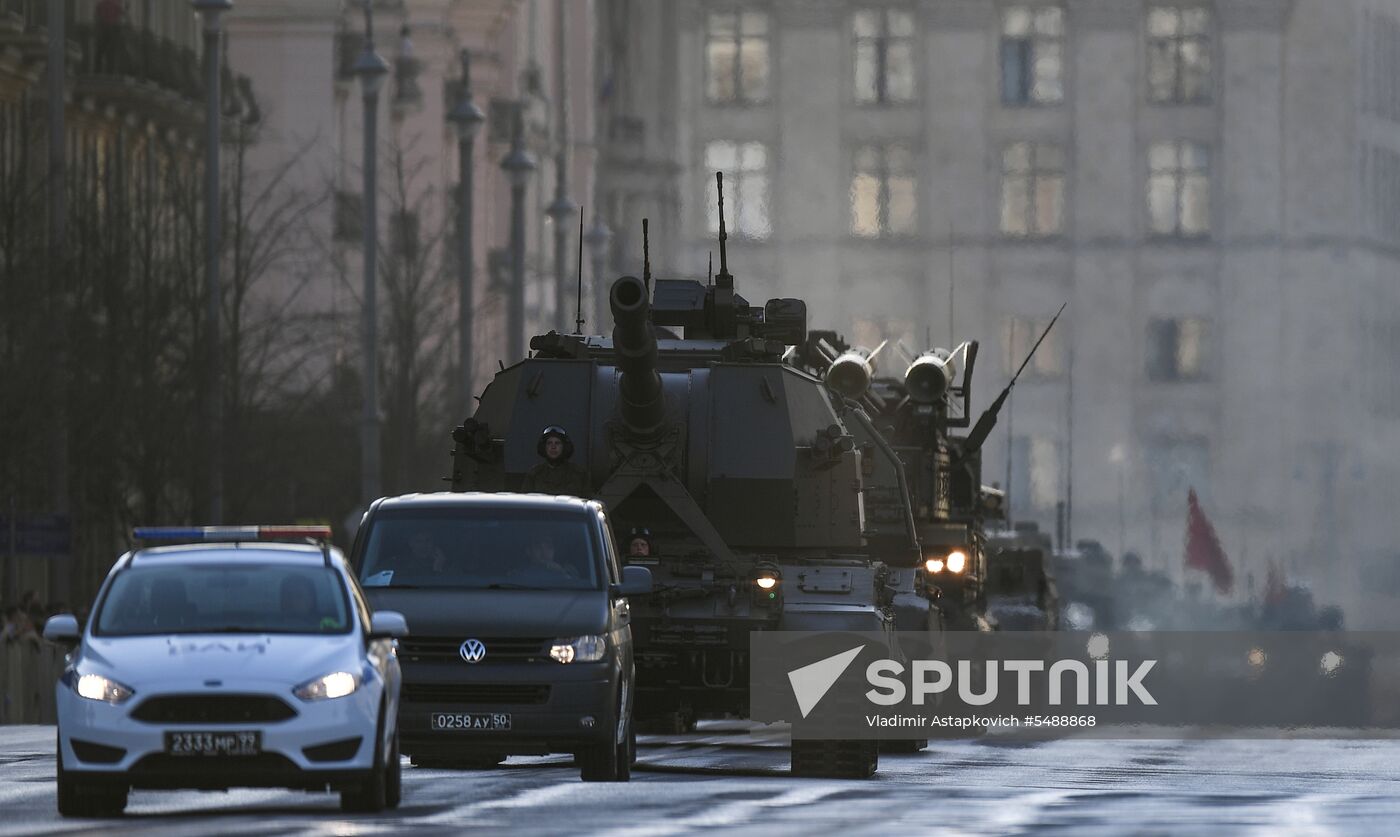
point(745, 475)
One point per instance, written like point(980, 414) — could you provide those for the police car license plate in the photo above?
point(213, 743)
point(471, 721)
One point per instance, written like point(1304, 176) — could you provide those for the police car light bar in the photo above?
point(229, 533)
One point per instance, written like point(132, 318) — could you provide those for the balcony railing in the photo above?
point(130, 52)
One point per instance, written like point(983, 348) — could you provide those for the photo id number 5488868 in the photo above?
point(471, 721)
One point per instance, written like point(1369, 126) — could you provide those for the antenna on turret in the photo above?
point(724, 279)
point(578, 294)
point(646, 257)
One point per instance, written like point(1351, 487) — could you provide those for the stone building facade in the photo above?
point(1210, 185)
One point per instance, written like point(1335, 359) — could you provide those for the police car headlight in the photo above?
point(97, 687)
point(579, 649)
point(335, 685)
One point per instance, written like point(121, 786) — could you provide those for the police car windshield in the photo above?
point(480, 548)
point(223, 598)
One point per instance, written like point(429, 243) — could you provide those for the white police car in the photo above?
point(230, 663)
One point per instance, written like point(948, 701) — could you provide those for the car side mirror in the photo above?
point(63, 629)
point(388, 624)
point(635, 582)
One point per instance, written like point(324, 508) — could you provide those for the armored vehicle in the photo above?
point(751, 483)
point(1021, 589)
point(917, 415)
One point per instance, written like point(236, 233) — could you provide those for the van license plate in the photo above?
point(213, 743)
point(471, 721)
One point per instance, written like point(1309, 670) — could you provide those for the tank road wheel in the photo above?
point(835, 759)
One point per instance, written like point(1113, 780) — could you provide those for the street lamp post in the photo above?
point(598, 238)
point(518, 165)
point(467, 118)
point(562, 209)
point(371, 69)
point(211, 13)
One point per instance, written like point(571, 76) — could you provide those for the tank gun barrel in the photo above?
point(640, 398)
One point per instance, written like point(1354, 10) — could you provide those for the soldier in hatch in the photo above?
point(556, 474)
point(639, 543)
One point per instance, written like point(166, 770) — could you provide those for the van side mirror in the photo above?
point(63, 629)
point(636, 581)
point(388, 624)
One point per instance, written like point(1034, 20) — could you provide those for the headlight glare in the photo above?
point(957, 561)
point(579, 649)
point(335, 685)
point(766, 582)
point(934, 565)
point(97, 687)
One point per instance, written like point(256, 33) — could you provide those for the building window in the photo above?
point(1032, 55)
point(1032, 189)
point(884, 56)
point(736, 57)
point(349, 220)
point(1018, 335)
point(1035, 473)
point(1175, 466)
point(745, 168)
point(1380, 184)
point(1178, 54)
point(1178, 188)
point(883, 192)
point(1176, 349)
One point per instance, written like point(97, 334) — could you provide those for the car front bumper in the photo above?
point(103, 742)
point(580, 708)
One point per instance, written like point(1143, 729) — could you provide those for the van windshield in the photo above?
point(482, 549)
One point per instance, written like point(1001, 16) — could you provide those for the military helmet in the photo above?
point(645, 534)
point(555, 430)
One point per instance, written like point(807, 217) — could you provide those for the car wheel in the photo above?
point(77, 798)
point(370, 797)
point(393, 786)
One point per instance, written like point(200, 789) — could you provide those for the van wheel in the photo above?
point(77, 798)
point(608, 761)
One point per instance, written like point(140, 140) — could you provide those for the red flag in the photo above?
point(1203, 550)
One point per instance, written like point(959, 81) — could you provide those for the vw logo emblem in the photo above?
point(473, 650)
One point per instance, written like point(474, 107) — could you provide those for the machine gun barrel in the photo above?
point(640, 398)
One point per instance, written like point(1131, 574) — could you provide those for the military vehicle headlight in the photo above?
point(934, 565)
point(335, 685)
point(579, 649)
point(97, 687)
point(1331, 661)
point(766, 582)
point(957, 561)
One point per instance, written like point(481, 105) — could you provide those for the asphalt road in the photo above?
point(731, 777)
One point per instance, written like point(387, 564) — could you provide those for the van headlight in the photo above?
point(579, 649)
point(105, 689)
point(328, 687)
